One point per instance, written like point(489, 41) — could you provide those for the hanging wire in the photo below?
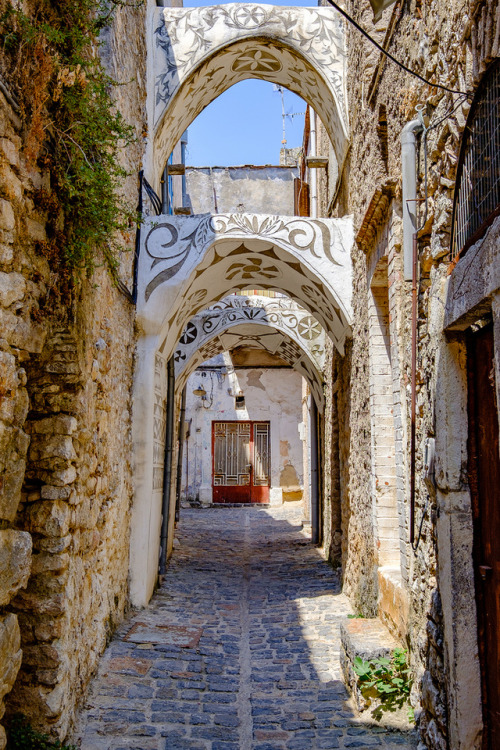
point(391, 57)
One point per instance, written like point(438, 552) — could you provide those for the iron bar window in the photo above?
point(477, 188)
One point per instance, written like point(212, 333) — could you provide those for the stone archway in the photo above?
point(187, 264)
point(198, 53)
point(278, 325)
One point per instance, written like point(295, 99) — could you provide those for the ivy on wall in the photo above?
point(71, 129)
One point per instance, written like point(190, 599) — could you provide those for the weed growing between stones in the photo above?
point(22, 736)
point(385, 681)
point(71, 129)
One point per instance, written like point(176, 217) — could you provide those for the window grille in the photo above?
point(477, 190)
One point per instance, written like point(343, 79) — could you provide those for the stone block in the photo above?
point(6, 253)
point(15, 563)
point(52, 446)
point(41, 654)
point(17, 332)
point(54, 545)
point(36, 230)
point(59, 477)
point(49, 492)
point(62, 424)
point(12, 186)
point(7, 218)
point(10, 151)
point(368, 639)
point(28, 601)
point(47, 563)
point(10, 653)
point(12, 288)
point(49, 518)
point(9, 378)
point(10, 487)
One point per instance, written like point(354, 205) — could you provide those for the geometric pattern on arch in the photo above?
point(187, 263)
point(279, 326)
point(198, 53)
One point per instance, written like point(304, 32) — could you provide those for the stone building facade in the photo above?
point(427, 595)
point(65, 466)
point(72, 450)
point(272, 395)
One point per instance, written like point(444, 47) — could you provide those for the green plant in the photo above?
point(21, 736)
point(386, 679)
point(71, 129)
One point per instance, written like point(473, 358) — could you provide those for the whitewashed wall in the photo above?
point(273, 395)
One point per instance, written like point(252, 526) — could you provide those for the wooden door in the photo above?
point(241, 462)
point(484, 478)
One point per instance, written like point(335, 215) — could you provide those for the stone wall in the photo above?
point(451, 43)
point(65, 466)
point(273, 395)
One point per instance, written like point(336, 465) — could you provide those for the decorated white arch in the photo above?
point(187, 263)
point(278, 325)
point(198, 53)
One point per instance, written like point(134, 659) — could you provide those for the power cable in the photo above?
point(391, 57)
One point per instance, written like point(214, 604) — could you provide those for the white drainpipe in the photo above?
point(313, 180)
point(409, 179)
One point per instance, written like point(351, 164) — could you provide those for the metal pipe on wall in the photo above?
point(314, 473)
point(409, 186)
point(164, 191)
point(313, 176)
point(414, 295)
point(167, 464)
point(180, 443)
point(410, 268)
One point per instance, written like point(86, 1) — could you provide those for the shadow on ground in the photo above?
point(238, 650)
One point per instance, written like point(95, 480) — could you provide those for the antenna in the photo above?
point(284, 114)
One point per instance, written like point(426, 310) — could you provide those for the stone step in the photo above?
point(367, 638)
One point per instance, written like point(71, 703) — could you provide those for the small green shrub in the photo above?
point(387, 680)
point(71, 128)
point(21, 736)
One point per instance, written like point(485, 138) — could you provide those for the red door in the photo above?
point(484, 478)
point(241, 462)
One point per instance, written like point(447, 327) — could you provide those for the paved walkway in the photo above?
point(237, 651)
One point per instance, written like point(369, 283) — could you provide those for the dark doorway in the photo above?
point(484, 478)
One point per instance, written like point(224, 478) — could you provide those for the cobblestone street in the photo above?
point(238, 650)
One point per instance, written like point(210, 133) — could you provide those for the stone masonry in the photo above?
point(65, 381)
point(238, 650)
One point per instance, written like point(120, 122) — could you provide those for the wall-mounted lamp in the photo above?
point(200, 391)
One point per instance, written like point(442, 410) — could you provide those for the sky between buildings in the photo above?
point(245, 125)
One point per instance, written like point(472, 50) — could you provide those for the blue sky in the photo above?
point(244, 125)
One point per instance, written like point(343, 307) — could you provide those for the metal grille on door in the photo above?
point(261, 453)
point(232, 454)
point(241, 462)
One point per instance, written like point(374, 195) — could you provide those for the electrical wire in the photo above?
point(391, 57)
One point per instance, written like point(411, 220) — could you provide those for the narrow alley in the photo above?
point(238, 650)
